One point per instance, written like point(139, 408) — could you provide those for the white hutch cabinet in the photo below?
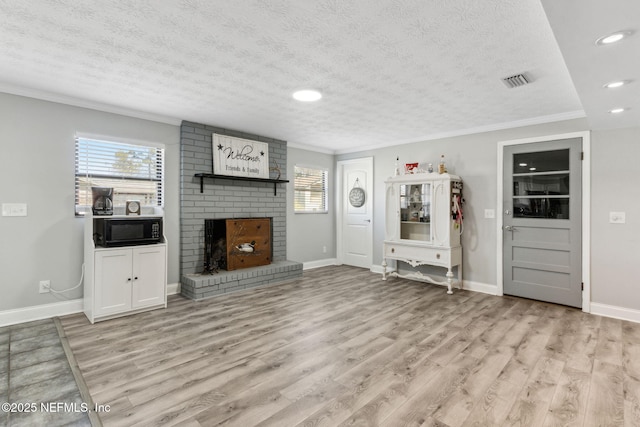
point(423, 224)
point(122, 280)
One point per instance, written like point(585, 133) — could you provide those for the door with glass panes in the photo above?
point(542, 221)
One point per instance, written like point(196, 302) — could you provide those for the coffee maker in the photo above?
point(102, 200)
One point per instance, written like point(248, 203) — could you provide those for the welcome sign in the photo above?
point(240, 157)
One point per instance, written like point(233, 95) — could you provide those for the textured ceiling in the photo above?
point(390, 71)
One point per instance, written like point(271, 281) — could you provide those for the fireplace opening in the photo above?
point(236, 243)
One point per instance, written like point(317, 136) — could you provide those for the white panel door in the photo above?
point(355, 228)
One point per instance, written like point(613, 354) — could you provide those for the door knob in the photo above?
point(367, 220)
point(509, 228)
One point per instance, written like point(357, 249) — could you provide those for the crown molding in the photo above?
point(570, 115)
point(83, 103)
point(311, 148)
point(107, 108)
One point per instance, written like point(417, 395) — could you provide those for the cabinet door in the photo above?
point(441, 215)
point(149, 276)
point(112, 281)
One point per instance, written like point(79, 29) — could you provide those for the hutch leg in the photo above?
point(460, 276)
point(384, 269)
point(449, 280)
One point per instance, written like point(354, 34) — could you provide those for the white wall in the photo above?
point(307, 234)
point(615, 251)
point(474, 158)
point(37, 168)
point(615, 264)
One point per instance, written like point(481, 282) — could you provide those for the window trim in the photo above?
point(81, 210)
point(324, 170)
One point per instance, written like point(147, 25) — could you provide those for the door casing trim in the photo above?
point(586, 209)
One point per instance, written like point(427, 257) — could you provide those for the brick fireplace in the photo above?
point(227, 199)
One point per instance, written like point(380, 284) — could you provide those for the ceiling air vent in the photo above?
point(515, 81)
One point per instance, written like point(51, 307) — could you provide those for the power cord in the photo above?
point(70, 289)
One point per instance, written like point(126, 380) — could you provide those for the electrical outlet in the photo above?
point(489, 213)
point(45, 286)
point(617, 217)
point(14, 209)
point(324, 249)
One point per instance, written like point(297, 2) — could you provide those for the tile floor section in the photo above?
point(34, 370)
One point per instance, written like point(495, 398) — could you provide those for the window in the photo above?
point(135, 172)
point(310, 190)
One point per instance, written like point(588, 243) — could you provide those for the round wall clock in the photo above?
point(133, 207)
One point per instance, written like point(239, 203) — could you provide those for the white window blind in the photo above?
point(310, 190)
point(135, 172)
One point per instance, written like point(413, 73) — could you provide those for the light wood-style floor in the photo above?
point(342, 347)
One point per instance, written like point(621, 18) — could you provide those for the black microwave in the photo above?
point(113, 231)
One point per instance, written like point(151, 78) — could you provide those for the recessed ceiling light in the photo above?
point(522, 164)
point(618, 110)
point(614, 37)
point(307, 95)
point(616, 84)
point(532, 169)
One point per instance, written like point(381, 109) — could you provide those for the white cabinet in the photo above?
point(423, 224)
point(123, 280)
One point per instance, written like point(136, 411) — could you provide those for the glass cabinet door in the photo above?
point(415, 212)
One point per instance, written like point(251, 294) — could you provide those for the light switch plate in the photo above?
point(617, 217)
point(14, 209)
point(489, 213)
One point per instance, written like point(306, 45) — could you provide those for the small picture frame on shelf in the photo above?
point(410, 168)
point(132, 208)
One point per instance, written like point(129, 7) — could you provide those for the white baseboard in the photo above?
point(484, 288)
point(377, 268)
point(615, 312)
point(173, 288)
point(612, 311)
point(46, 311)
point(38, 312)
point(468, 285)
point(319, 263)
